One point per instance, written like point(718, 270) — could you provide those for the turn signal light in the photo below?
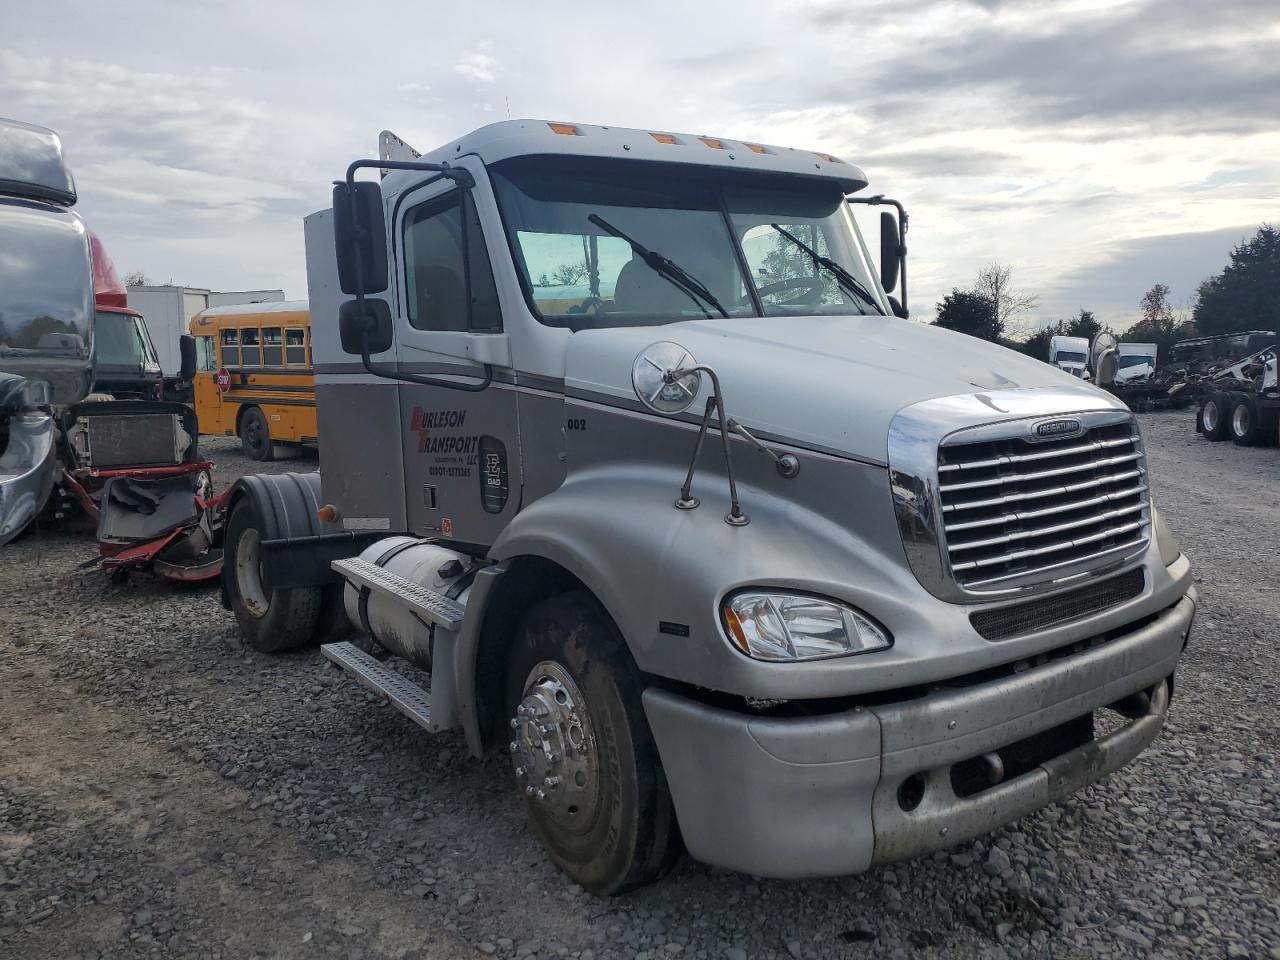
point(327, 514)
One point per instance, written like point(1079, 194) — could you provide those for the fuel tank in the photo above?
point(391, 623)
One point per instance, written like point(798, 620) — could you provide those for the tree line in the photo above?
point(1244, 296)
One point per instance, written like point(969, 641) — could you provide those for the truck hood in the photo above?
point(831, 384)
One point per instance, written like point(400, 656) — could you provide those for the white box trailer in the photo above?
point(168, 311)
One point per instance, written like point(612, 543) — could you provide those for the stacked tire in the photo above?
point(1235, 414)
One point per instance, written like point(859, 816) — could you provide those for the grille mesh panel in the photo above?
point(1035, 615)
point(1015, 510)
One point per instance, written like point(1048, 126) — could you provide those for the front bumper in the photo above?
point(819, 796)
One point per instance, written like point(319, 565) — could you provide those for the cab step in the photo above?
point(428, 604)
point(405, 695)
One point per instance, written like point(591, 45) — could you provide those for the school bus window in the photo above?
point(230, 352)
point(295, 347)
point(250, 349)
point(271, 347)
point(206, 355)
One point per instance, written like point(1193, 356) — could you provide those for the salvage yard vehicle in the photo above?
point(720, 549)
point(1069, 354)
point(130, 464)
point(1243, 402)
point(254, 377)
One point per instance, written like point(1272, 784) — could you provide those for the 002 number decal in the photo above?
point(577, 423)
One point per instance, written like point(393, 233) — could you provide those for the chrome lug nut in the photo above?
point(541, 794)
point(515, 724)
point(513, 746)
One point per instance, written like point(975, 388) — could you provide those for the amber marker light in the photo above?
point(565, 129)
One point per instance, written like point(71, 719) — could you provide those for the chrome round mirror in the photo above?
point(649, 377)
point(1103, 358)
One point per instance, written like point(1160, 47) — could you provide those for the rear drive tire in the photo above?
point(601, 807)
point(255, 435)
point(1215, 416)
point(271, 620)
point(1245, 423)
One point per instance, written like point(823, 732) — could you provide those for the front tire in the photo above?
point(255, 435)
point(584, 756)
point(271, 620)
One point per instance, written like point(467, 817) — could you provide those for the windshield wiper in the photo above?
point(665, 268)
point(843, 276)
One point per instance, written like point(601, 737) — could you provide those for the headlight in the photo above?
point(789, 626)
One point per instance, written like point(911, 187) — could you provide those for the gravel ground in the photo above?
point(166, 791)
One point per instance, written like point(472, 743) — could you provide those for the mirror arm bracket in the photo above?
point(735, 517)
point(903, 219)
point(464, 180)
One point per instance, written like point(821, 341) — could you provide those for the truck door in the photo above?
point(461, 449)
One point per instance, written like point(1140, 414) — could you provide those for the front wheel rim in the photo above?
point(554, 749)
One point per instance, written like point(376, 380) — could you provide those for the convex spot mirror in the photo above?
point(360, 237)
point(356, 320)
point(1104, 359)
point(649, 378)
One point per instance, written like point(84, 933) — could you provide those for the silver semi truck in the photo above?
point(624, 439)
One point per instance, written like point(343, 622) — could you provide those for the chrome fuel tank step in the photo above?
point(431, 606)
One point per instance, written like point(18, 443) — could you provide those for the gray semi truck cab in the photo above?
point(624, 440)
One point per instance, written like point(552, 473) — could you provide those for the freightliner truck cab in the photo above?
point(624, 440)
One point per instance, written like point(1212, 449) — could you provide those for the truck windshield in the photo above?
point(745, 241)
point(1067, 357)
point(119, 340)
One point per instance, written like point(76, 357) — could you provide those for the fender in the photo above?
point(661, 573)
point(298, 545)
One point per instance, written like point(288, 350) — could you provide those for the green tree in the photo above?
point(968, 312)
point(1246, 295)
point(1084, 325)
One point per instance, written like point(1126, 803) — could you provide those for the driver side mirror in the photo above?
point(360, 237)
point(371, 318)
point(890, 251)
point(187, 354)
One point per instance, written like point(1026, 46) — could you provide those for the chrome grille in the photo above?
point(1016, 510)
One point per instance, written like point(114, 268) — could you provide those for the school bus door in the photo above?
point(208, 397)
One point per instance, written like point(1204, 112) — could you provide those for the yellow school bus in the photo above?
point(253, 375)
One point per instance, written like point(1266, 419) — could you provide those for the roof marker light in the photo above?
point(565, 129)
point(665, 138)
point(756, 148)
point(829, 158)
point(713, 143)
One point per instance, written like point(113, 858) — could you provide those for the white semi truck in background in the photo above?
point(623, 440)
point(1135, 362)
point(1070, 354)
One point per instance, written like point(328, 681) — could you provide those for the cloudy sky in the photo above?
point(1098, 146)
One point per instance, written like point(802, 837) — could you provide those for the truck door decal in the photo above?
point(493, 474)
